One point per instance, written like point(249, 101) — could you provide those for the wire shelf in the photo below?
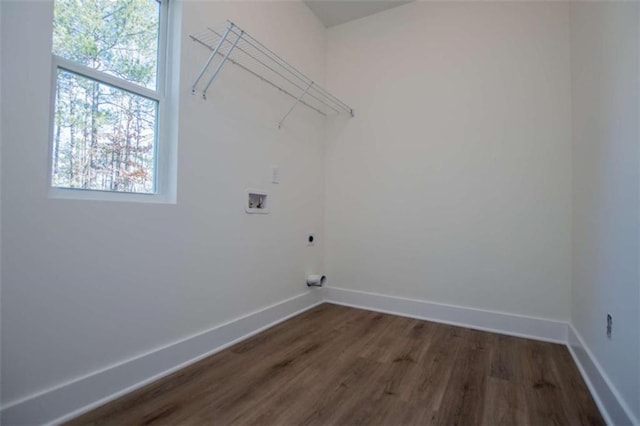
point(230, 43)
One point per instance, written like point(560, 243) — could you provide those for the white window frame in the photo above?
point(164, 173)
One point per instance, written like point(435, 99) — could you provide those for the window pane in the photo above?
point(118, 37)
point(104, 137)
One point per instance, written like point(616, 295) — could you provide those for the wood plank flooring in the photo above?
point(335, 365)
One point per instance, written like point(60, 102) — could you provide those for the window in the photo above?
point(109, 73)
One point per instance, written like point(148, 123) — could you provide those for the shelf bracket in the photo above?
point(294, 104)
point(213, 55)
point(224, 59)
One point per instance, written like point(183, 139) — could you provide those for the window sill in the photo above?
point(95, 195)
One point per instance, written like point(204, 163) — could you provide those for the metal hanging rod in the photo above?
point(233, 44)
point(260, 77)
point(275, 71)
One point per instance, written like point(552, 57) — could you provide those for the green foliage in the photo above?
point(119, 37)
point(104, 137)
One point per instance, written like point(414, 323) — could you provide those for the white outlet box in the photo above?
point(257, 201)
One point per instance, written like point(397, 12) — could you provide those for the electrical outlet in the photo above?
point(609, 325)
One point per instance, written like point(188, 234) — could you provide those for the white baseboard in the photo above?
point(513, 325)
point(611, 405)
point(83, 394)
point(609, 401)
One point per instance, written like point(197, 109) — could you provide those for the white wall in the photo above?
point(606, 159)
point(88, 284)
point(1, 143)
point(453, 182)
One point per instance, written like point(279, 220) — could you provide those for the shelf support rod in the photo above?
point(213, 55)
point(224, 59)
point(294, 104)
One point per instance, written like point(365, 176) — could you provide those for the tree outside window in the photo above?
point(108, 57)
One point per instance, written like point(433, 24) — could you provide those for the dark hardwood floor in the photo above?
point(339, 365)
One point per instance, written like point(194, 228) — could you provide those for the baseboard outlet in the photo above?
point(608, 399)
point(497, 322)
point(83, 394)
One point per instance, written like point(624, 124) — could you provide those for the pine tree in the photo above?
point(104, 137)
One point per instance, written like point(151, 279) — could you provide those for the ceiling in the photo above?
point(336, 12)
